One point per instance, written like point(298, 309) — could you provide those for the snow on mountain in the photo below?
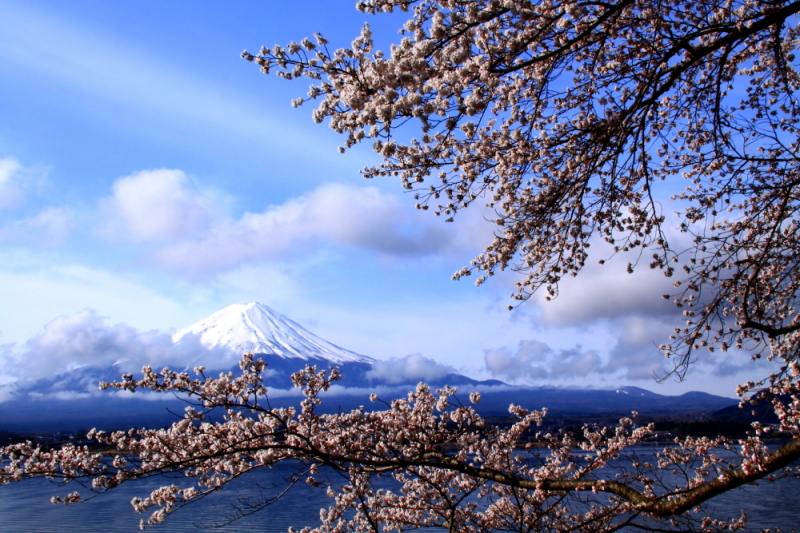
point(254, 327)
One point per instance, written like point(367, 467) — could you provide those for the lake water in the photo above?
point(25, 507)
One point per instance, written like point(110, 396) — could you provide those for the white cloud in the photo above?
point(414, 367)
point(18, 185)
point(735, 362)
point(156, 206)
point(630, 306)
point(632, 355)
point(501, 362)
point(188, 235)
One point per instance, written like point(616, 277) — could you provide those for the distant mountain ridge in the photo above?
point(287, 347)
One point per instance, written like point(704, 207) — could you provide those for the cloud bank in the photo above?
point(627, 306)
point(534, 360)
point(187, 232)
point(78, 350)
point(414, 367)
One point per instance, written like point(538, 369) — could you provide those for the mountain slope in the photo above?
point(255, 328)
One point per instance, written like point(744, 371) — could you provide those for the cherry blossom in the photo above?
point(455, 469)
point(563, 117)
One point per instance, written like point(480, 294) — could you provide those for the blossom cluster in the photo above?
point(564, 116)
point(455, 469)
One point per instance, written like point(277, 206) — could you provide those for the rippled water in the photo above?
point(25, 507)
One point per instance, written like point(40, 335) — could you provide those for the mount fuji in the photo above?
point(69, 399)
point(255, 328)
point(287, 347)
point(282, 343)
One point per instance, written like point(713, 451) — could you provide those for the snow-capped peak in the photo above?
point(255, 328)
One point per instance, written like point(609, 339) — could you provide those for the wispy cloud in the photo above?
point(84, 59)
point(50, 227)
point(19, 223)
point(11, 194)
point(17, 182)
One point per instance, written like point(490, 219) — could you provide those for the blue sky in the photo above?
point(149, 174)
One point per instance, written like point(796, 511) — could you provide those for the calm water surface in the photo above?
point(26, 508)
